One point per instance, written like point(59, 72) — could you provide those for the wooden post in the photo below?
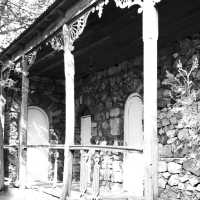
point(150, 36)
point(23, 125)
point(2, 103)
point(69, 112)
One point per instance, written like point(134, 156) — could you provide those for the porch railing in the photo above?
point(55, 147)
point(93, 159)
point(97, 166)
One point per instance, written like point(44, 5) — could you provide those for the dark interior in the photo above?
point(117, 36)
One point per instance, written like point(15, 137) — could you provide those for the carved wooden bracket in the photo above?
point(77, 27)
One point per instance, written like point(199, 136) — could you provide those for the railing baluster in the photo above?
point(55, 177)
point(84, 173)
point(96, 179)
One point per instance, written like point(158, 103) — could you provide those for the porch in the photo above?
point(100, 173)
point(89, 118)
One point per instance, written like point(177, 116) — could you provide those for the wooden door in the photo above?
point(133, 137)
point(37, 134)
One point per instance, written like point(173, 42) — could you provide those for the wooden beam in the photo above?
point(69, 15)
point(23, 125)
point(69, 112)
point(150, 35)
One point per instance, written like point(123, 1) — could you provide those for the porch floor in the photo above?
point(47, 192)
point(25, 194)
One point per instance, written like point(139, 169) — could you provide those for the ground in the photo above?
point(25, 194)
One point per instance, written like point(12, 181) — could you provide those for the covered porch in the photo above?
point(92, 144)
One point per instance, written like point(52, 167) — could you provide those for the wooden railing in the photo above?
point(47, 146)
point(90, 165)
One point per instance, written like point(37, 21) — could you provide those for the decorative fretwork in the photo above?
point(31, 57)
point(99, 8)
point(57, 42)
point(128, 3)
point(77, 27)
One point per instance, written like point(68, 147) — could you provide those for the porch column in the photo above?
point(69, 112)
point(23, 125)
point(150, 36)
point(2, 103)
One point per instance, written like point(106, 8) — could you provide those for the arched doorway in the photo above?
point(133, 137)
point(37, 134)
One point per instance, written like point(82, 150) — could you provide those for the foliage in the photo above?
point(181, 85)
point(184, 93)
point(6, 81)
point(16, 16)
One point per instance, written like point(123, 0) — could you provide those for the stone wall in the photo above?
point(178, 129)
point(103, 95)
point(179, 169)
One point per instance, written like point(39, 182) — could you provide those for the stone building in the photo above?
point(95, 120)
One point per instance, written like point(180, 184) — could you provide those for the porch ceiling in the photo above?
point(117, 36)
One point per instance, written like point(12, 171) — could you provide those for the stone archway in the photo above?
point(133, 137)
point(37, 134)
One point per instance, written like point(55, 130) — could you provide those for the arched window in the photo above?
point(133, 136)
point(133, 117)
point(37, 134)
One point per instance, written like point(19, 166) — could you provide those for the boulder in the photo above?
point(173, 180)
point(184, 178)
point(194, 180)
point(115, 112)
point(162, 166)
point(166, 175)
point(197, 188)
point(191, 166)
point(189, 187)
point(162, 183)
point(174, 168)
point(181, 186)
point(115, 126)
